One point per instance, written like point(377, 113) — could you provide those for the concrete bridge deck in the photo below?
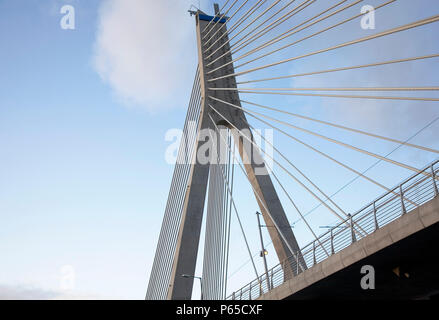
point(403, 253)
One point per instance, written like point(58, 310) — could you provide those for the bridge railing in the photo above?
point(411, 193)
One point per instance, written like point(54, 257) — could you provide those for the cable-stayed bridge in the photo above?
point(246, 49)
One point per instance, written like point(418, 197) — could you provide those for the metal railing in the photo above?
point(411, 193)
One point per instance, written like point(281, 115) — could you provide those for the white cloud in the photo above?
point(146, 51)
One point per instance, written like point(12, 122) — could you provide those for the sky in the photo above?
point(83, 118)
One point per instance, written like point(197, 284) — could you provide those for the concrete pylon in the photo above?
point(284, 242)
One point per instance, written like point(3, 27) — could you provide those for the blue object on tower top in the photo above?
point(209, 18)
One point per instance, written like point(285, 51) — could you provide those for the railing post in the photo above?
point(233, 296)
point(404, 211)
point(272, 284)
point(375, 217)
point(433, 175)
point(250, 292)
point(352, 228)
point(240, 294)
point(314, 252)
point(332, 241)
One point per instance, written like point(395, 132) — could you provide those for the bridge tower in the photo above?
point(183, 258)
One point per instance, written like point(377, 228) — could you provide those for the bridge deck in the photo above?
point(407, 243)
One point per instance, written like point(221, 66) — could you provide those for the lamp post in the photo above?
point(264, 252)
point(195, 277)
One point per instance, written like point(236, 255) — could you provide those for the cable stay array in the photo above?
point(215, 17)
point(218, 220)
point(162, 265)
point(302, 267)
point(207, 32)
point(341, 45)
point(238, 33)
point(223, 25)
point(324, 137)
point(248, 33)
point(209, 266)
point(288, 172)
point(252, 32)
point(293, 31)
point(255, 7)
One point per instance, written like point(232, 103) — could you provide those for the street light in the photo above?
point(195, 277)
point(264, 252)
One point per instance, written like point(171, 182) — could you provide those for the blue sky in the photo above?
point(83, 177)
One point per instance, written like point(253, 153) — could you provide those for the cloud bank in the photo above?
point(24, 293)
point(146, 51)
point(21, 292)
